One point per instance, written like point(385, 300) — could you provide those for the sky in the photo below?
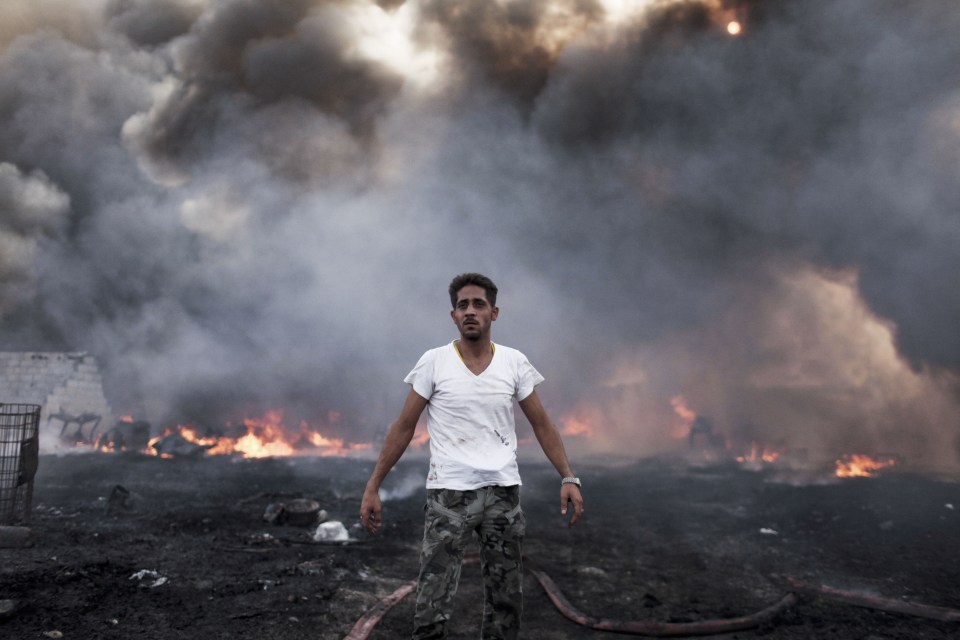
point(244, 205)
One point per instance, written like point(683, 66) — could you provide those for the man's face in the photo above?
point(472, 314)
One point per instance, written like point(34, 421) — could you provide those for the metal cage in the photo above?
point(19, 457)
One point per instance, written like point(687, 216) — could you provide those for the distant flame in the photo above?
point(859, 465)
point(734, 28)
point(574, 426)
point(420, 438)
point(759, 454)
point(264, 437)
point(686, 414)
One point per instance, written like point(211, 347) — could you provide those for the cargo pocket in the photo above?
point(518, 522)
point(443, 535)
point(433, 506)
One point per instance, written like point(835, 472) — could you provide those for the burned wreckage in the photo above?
point(121, 544)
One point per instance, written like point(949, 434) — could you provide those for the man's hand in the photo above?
point(571, 493)
point(370, 510)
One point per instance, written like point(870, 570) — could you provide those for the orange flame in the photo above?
point(150, 448)
point(759, 454)
point(574, 426)
point(686, 414)
point(859, 465)
point(420, 438)
point(268, 436)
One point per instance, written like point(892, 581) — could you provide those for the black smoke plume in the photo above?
point(248, 204)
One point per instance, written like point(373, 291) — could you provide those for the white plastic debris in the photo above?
point(332, 531)
point(768, 532)
point(149, 578)
point(949, 505)
point(261, 538)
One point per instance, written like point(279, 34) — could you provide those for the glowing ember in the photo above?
point(859, 465)
point(734, 28)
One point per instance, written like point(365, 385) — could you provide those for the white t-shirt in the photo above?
point(473, 440)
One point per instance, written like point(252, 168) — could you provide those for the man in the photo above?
point(473, 483)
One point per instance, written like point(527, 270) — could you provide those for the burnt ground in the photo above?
point(658, 543)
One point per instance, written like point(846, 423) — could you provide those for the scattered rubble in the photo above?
point(296, 512)
point(175, 445)
point(126, 435)
point(13, 537)
point(149, 578)
point(659, 544)
point(332, 531)
point(7, 608)
point(120, 499)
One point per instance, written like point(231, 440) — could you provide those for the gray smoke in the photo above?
point(235, 206)
point(34, 210)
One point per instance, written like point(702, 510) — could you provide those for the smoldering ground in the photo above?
point(239, 204)
point(182, 544)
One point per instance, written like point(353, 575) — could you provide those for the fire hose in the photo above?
point(661, 629)
point(940, 614)
point(365, 625)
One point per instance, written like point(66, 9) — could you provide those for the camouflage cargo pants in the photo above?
point(451, 519)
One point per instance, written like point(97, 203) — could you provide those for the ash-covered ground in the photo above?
point(659, 542)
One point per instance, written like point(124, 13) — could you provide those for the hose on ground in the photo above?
point(365, 625)
point(764, 617)
point(662, 629)
point(857, 599)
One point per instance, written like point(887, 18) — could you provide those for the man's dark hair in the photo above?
point(477, 279)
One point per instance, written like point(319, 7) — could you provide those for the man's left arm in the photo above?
point(549, 438)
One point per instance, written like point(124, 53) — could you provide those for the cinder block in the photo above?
point(57, 381)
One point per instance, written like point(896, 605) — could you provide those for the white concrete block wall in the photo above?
point(60, 382)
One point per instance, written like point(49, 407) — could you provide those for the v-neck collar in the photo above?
point(493, 351)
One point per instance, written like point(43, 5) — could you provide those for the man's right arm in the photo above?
point(398, 439)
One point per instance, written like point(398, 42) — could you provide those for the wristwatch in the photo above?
point(575, 481)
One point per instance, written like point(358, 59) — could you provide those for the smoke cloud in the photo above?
point(249, 204)
point(33, 210)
